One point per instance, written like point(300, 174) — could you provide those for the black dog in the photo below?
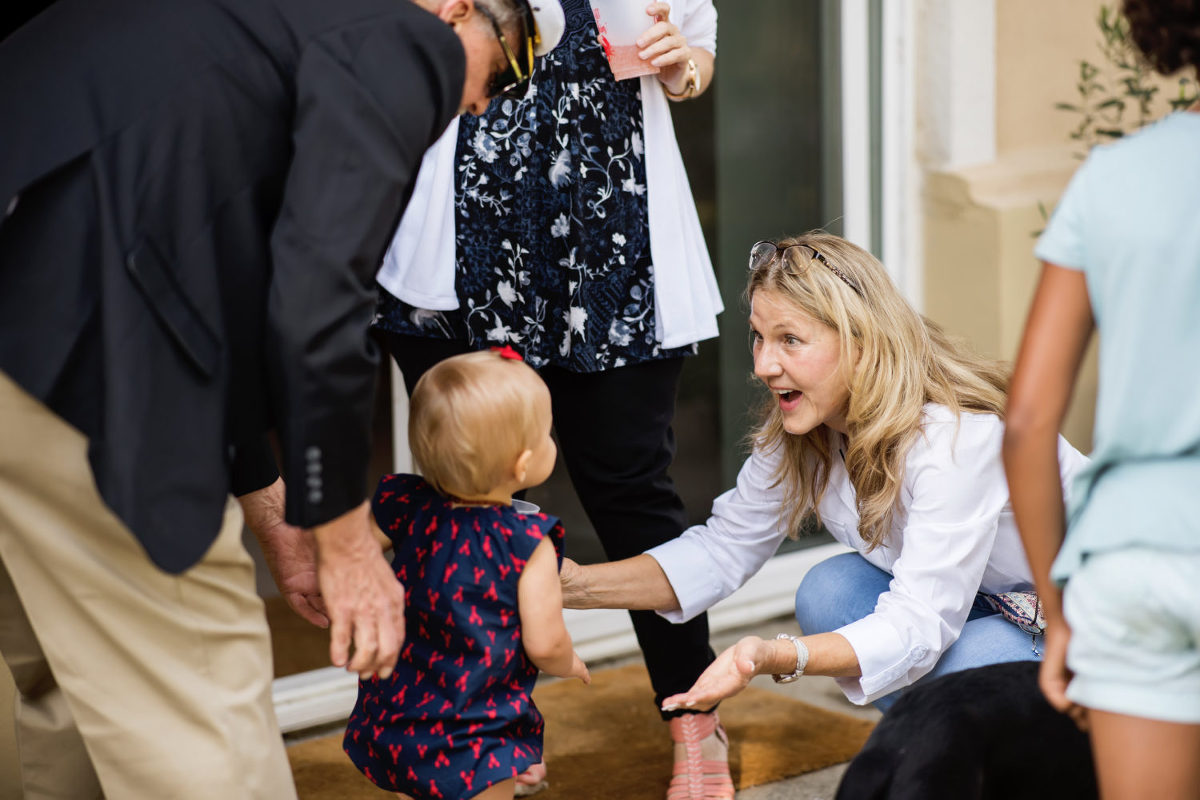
point(980, 734)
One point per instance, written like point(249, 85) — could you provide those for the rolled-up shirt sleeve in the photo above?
point(955, 491)
point(708, 562)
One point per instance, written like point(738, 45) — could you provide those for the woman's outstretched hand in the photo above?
point(725, 677)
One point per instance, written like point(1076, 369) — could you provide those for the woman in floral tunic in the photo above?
point(570, 212)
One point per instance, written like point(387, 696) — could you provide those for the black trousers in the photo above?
point(616, 441)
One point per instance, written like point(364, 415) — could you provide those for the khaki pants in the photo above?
point(146, 684)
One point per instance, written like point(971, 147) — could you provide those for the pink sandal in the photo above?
point(696, 778)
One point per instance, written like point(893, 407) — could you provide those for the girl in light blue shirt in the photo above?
point(1122, 256)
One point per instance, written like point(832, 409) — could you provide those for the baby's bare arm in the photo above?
point(539, 602)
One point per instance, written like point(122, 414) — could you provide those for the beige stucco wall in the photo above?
point(1038, 47)
point(979, 221)
point(980, 270)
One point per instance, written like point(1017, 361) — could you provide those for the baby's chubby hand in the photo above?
point(578, 669)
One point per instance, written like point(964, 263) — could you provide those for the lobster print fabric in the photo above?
point(456, 715)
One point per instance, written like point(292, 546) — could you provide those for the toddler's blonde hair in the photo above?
point(470, 418)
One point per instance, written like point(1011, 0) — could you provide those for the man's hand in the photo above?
point(291, 552)
point(363, 598)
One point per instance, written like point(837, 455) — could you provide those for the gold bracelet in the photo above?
point(693, 83)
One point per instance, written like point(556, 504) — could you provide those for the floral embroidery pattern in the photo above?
point(552, 241)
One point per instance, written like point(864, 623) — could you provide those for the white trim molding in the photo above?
point(956, 73)
point(886, 143)
point(324, 696)
point(901, 249)
point(856, 122)
point(401, 455)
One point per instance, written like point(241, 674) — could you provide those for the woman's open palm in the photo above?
point(725, 677)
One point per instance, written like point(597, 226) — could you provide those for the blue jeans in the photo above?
point(845, 588)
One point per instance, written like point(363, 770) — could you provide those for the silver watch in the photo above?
point(801, 659)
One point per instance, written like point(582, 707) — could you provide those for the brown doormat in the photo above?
point(606, 740)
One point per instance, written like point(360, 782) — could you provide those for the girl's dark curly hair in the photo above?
point(1166, 31)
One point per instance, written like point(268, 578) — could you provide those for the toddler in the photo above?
point(483, 604)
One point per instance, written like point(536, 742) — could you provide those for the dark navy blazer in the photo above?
point(194, 198)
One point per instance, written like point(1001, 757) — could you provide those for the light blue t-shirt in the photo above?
point(1130, 220)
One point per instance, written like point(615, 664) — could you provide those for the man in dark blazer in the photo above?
point(194, 198)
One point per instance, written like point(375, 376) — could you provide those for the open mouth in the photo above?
point(788, 398)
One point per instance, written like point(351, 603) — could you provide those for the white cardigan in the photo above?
point(419, 265)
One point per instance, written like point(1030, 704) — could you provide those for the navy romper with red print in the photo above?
point(456, 716)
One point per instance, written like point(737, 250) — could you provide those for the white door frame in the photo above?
point(887, 142)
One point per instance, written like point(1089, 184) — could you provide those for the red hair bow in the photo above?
point(508, 352)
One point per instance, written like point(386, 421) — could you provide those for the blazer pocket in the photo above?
point(173, 309)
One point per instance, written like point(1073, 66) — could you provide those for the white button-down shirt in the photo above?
point(952, 537)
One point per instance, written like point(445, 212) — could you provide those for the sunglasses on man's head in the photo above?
point(514, 81)
point(763, 253)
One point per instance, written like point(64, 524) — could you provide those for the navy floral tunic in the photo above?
point(456, 715)
point(552, 241)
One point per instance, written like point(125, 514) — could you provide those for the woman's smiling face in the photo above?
point(799, 359)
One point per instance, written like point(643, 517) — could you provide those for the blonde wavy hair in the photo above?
point(470, 418)
point(895, 361)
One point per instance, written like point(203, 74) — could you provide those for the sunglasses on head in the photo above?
point(514, 80)
point(763, 253)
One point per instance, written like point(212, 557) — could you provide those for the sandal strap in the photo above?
point(708, 787)
point(696, 778)
point(713, 769)
point(695, 727)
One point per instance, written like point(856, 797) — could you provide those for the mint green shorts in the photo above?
point(1135, 627)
